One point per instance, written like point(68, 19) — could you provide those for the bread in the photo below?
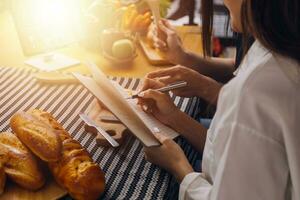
point(38, 136)
point(18, 163)
point(2, 178)
point(3, 159)
point(75, 170)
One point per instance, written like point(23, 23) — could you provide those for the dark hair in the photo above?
point(275, 23)
point(207, 26)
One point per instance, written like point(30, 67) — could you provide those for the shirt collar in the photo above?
point(257, 52)
point(253, 57)
point(290, 67)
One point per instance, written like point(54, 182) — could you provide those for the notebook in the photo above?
point(141, 124)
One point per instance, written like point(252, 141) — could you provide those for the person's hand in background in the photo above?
point(170, 157)
point(164, 37)
point(197, 84)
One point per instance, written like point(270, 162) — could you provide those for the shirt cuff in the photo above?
point(185, 183)
point(194, 186)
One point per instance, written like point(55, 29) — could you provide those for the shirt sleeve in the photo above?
point(194, 186)
point(250, 166)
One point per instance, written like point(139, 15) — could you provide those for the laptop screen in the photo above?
point(45, 25)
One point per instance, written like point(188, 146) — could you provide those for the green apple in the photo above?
point(123, 48)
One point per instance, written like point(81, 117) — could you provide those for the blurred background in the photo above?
point(65, 15)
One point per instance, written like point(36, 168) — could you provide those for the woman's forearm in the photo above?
point(190, 129)
point(220, 69)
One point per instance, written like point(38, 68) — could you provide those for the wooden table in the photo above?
point(11, 53)
point(117, 164)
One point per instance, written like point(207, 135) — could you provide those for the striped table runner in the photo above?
point(128, 175)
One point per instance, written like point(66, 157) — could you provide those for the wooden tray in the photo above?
point(50, 191)
point(114, 127)
point(191, 40)
point(154, 56)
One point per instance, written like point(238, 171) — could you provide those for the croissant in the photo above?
point(75, 169)
point(17, 162)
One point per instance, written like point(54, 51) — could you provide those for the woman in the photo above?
point(204, 75)
point(200, 73)
point(252, 147)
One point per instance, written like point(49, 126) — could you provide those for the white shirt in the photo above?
point(252, 149)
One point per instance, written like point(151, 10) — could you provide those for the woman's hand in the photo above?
point(159, 104)
point(170, 157)
point(197, 84)
point(149, 83)
point(164, 38)
point(179, 73)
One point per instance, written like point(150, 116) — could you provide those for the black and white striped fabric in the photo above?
point(128, 174)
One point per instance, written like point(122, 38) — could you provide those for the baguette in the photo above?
point(18, 164)
point(75, 170)
point(39, 137)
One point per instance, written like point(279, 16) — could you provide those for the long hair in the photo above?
point(207, 26)
point(275, 23)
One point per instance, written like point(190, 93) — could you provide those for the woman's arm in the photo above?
point(190, 129)
point(166, 39)
point(169, 156)
point(197, 84)
point(247, 161)
point(162, 108)
point(220, 69)
point(250, 166)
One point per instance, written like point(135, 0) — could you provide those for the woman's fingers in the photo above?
point(170, 27)
point(152, 94)
point(151, 98)
point(148, 97)
point(167, 80)
point(152, 152)
point(167, 24)
point(150, 84)
point(165, 28)
point(160, 44)
point(147, 105)
point(172, 71)
point(161, 138)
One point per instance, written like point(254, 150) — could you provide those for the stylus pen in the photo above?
point(173, 86)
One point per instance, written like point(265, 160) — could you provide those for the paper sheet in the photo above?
point(151, 122)
point(141, 124)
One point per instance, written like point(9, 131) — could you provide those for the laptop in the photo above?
point(41, 28)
